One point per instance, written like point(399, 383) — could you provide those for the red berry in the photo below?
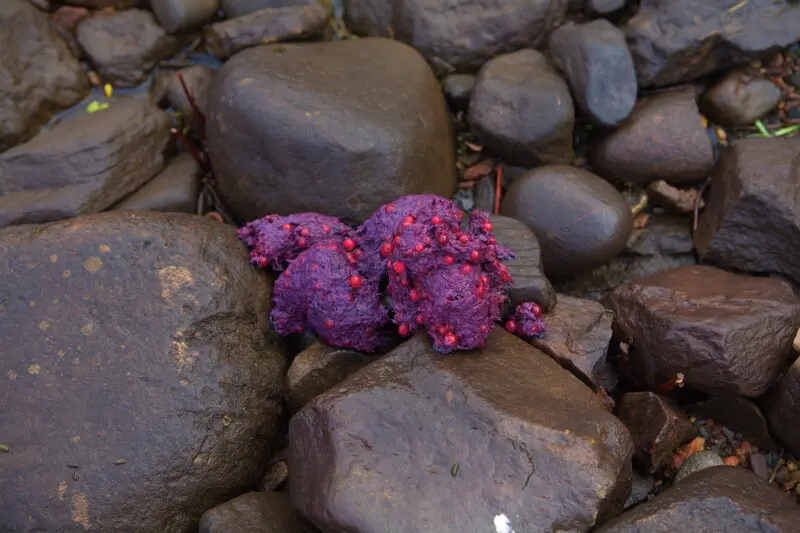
point(463, 237)
point(326, 228)
point(449, 259)
point(418, 248)
point(349, 245)
point(474, 256)
point(397, 240)
point(402, 329)
point(450, 339)
point(511, 326)
point(304, 232)
point(350, 258)
point(436, 220)
point(286, 227)
point(466, 269)
point(386, 249)
point(355, 281)
point(413, 295)
point(491, 240)
point(408, 220)
point(487, 226)
point(484, 278)
point(442, 238)
point(443, 329)
point(358, 253)
point(329, 323)
point(398, 267)
point(535, 309)
point(484, 328)
point(420, 319)
point(302, 242)
point(262, 262)
point(389, 208)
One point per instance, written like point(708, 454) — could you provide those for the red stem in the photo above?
point(191, 149)
point(498, 188)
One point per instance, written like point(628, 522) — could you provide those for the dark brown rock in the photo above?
point(134, 347)
point(266, 26)
point(599, 69)
point(530, 284)
point(783, 409)
point(100, 4)
point(83, 165)
point(663, 139)
point(326, 127)
point(277, 473)
point(752, 221)
point(727, 333)
point(580, 220)
point(124, 46)
point(256, 512)
point(657, 425)
point(738, 414)
point(740, 98)
point(522, 110)
point(664, 243)
point(41, 77)
point(317, 369)
point(238, 8)
point(604, 7)
point(174, 189)
point(673, 199)
point(674, 41)
point(198, 80)
point(458, 36)
point(421, 441)
point(179, 15)
point(721, 498)
point(578, 334)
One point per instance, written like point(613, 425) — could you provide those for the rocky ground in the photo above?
point(640, 157)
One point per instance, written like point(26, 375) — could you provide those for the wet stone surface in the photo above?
point(256, 512)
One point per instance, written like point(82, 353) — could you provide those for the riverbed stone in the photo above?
point(181, 15)
point(580, 220)
point(458, 90)
point(740, 98)
point(524, 441)
point(663, 139)
point(256, 512)
point(726, 333)
point(599, 69)
point(783, 408)
point(338, 127)
point(738, 414)
point(530, 283)
point(458, 36)
point(124, 46)
point(136, 349)
point(721, 498)
point(674, 41)
point(522, 110)
point(83, 165)
point(751, 221)
point(197, 79)
point(175, 189)
point(42, 76)
point(238, 8)
point(658, 427)
point(578, 335)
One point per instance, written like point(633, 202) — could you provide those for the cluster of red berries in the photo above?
point(444, 274)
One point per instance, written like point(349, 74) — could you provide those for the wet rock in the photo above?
point(580, 220)
point(180, 15)
point(100, 4)
point(758, 464)
point(740, 98)
point(681, 201)
point(723, 498)
point(277, 474)
point(136, 341)
point(198, 80)
point(530, 284)
point(325, 127)
point(41, 75)
point(604, 7)
point(540, 450)
point(124, 46)
point(727, 333)
point(658, 427)
point(740, 415)
point(641, 488)
point(599, 69)
point(752, 221)
point(578, 334)
point(458, 89)
point(664, 243)
point(696, 462)
point(522, 110)
point(317, 369)
point(485, 194)
point(663, 139)
point(256, 512)
point(266, 26)
point(83, 165)
point(674, 41)
point(457, 36)
point(238, 8)
point(174, 189)
point(783, 408)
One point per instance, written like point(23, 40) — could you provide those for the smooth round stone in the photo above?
point(740, 98)
point(458, 89)
point(580, 220)
point(696, 462)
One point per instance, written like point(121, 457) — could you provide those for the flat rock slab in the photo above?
point(783, 408)
point(727, 333)
point(578, 334)
point(174, 189)
point(256, 512)
point(454, 35)
point(717, 499)
point(752, 221)
point(41, 76)
point(135, 348)
point(674, 41)
point(83, 165)
point(417, 440)
point(338, 128)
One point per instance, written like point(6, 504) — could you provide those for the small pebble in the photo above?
point(731, 460)
point(698, 461)
point(758, 464)
point(782, 475)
